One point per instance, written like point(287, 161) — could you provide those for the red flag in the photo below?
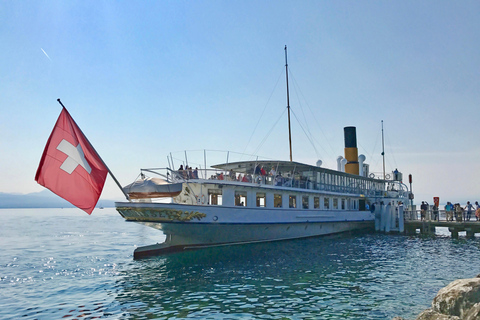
point(70, 167)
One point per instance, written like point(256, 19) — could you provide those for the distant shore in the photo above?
point(43, 199)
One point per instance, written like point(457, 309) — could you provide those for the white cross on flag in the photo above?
point(70, 167)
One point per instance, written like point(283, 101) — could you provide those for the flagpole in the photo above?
point(103, 162)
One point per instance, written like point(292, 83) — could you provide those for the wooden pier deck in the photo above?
point(428, 226)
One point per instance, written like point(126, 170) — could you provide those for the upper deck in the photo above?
point(287, 174)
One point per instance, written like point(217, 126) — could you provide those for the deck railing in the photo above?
point(289, 181)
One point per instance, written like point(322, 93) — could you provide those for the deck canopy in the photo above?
point(281, 167)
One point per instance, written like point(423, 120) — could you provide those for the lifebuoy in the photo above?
point(371, 175)
point(200, 199)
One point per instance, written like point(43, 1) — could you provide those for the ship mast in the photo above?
point(383, 153)
point(288, 106)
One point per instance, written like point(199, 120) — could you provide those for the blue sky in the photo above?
point(146, 78)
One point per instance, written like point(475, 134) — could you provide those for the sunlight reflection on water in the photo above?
point(65, 264)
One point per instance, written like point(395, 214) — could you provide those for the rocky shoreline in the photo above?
point(460, 300)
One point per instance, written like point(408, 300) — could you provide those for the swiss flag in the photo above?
point(70, 167)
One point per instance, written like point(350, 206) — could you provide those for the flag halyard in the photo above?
point(70, 167)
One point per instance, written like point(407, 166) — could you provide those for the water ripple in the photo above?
point(64, 265)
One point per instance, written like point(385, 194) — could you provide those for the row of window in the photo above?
point(326, 203)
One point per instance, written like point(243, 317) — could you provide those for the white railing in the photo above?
point(297, 182)
point(431, 215)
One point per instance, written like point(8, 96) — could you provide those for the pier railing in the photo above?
point(455, 222)
point(441, 216)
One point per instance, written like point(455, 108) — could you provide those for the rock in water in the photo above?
point(473, 313)
point(458, 298)
point(430, 314)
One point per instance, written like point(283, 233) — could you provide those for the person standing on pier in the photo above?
point(477, 211)
point(469, 208)
point(448, 211)
point(459, 213)
point(423, 210)
point(435, 213)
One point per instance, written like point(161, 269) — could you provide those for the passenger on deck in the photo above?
point(262, 171)
point(257, 170)
point(395, 175)
point(245, 178)
point(190, 173)
point(287, 182)
point(272, 172)
point(303, 182)
point(180, 170)
point(220, 176)
point(195, 173)
point(231, 175)
point(279, 179)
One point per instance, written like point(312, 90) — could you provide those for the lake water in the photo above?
point(64, 264)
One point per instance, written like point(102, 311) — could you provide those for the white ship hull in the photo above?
point(192, 226)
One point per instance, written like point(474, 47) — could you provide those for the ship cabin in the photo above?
point(281, 184)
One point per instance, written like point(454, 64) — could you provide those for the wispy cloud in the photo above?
point(46, 54)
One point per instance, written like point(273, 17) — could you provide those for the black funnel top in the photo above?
point(350, 137)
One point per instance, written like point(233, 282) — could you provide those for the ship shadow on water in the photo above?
point(292, 279)
point(372, 276)
point(261, 253)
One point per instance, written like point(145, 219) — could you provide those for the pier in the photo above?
point(413, 223)
point(394, 218)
